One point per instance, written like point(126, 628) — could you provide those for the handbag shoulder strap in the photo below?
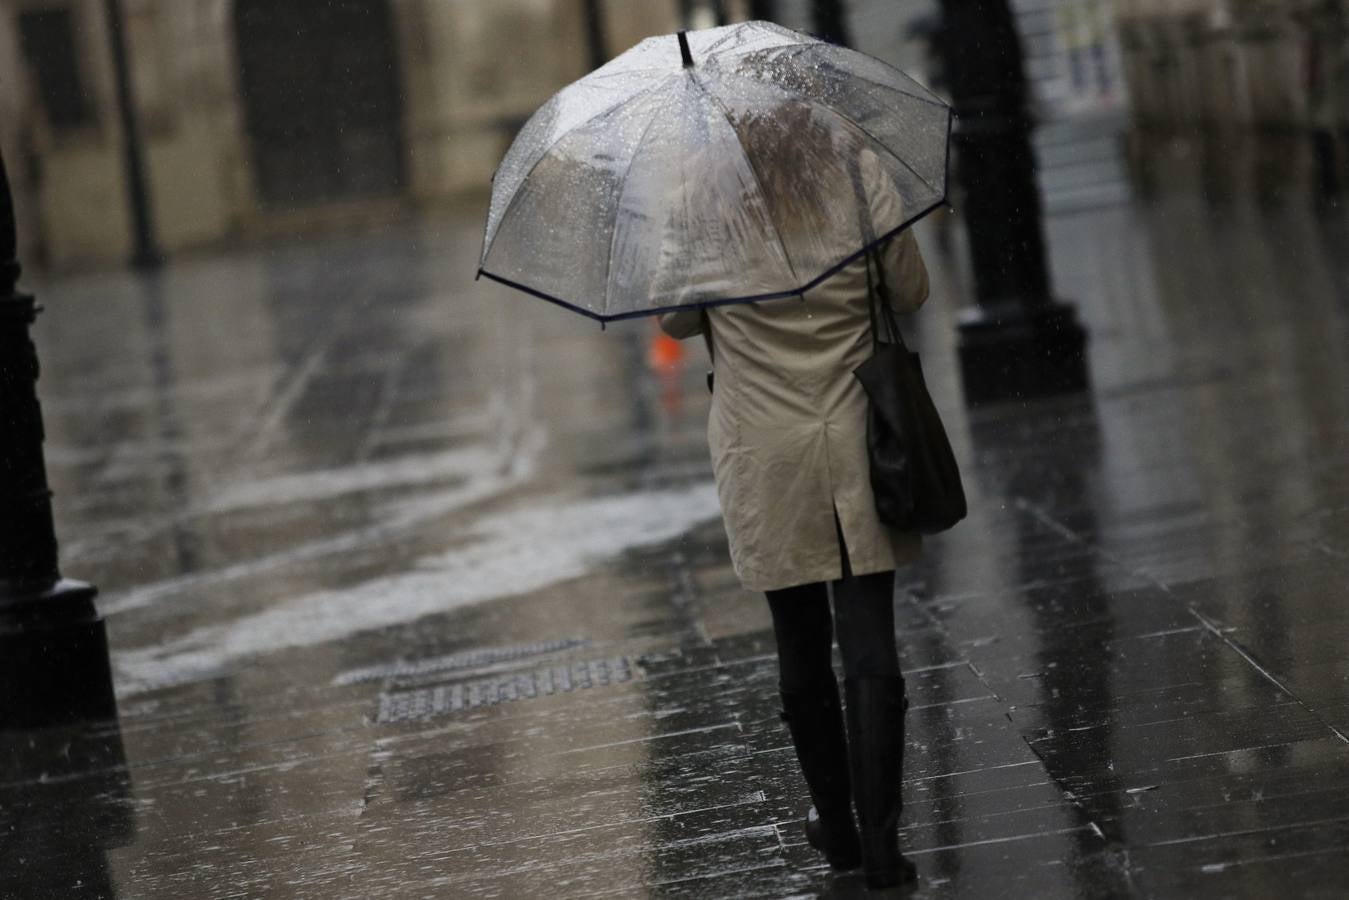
point(877, 290)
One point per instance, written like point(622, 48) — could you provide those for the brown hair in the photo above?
point(792, 152)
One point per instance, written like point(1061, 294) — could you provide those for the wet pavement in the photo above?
point(417, 587)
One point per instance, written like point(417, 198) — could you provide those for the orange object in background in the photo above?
point(666, 356)
point(665, 353)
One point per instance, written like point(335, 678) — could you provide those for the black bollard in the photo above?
point(53, 646)
point(1019, 341)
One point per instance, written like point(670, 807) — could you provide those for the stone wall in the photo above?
point(470, 73)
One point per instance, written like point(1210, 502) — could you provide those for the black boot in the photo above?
point(815, 722)
point(876, 707)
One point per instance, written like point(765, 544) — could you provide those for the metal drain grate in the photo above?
point(469, 659)
point(429, 702)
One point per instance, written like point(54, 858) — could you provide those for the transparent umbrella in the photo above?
point(716, 166)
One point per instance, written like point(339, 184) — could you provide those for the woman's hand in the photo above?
point(682, 323)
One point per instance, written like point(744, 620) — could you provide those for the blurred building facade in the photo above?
point(261, 117)
point(1270, 65)
point(1073, 57)
point(268, 117)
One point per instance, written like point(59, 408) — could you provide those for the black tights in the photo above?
point(864, 615)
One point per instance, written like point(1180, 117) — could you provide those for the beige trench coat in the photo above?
point(787, 427)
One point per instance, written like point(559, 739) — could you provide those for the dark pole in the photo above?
point(763, 10)
point(145, 253)
point(830, 22)
point(595, 39)
point(53, 649)
point(1019, 341)
point(685, 13)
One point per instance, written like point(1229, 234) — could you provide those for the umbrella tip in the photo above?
point(684, 49)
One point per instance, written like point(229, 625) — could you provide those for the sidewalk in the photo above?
point(417, 589)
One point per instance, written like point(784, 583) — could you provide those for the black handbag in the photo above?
point(913, 471)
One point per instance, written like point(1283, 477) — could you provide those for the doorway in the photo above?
point(322, 99)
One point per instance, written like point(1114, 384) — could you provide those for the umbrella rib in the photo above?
point(749, 163)
point(804, 46)
point(717, 49)
point(618, 207)
point(599, 74)
point(849, 119)
point(931, 100)
point(879, 143)
point(544, 155)
point(728, 51)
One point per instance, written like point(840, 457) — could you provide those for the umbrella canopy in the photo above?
point(727, 172)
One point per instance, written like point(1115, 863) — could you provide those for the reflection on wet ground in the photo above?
point(417, 588)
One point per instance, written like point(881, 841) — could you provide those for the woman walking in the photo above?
point(787, 432)
point(696, 176)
